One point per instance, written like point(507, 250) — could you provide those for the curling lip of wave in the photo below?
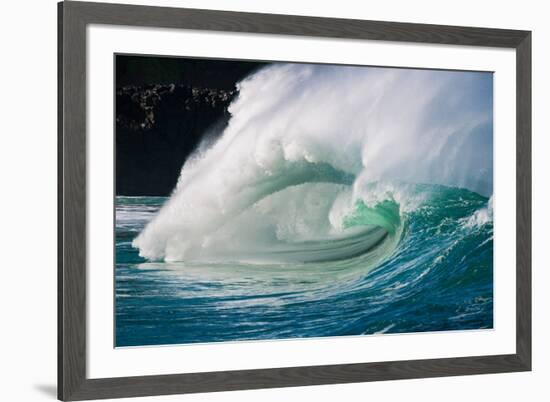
point(296, 125)
point(321, 250)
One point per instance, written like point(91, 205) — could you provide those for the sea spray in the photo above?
point(305, 133)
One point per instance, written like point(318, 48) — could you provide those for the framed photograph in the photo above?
point(256, 201)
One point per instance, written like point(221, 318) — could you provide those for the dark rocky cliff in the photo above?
point(158, 127)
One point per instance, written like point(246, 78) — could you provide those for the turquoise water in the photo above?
point(424, 266)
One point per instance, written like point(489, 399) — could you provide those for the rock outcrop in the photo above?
point(158, 127)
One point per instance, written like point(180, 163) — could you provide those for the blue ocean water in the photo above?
point(425, 266)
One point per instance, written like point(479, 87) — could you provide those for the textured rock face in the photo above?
point(137, 106)
point(158, 127)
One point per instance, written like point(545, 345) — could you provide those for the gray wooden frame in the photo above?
point(73, 17)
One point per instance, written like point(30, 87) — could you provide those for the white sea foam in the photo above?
point(294, 127)
point(480, 217)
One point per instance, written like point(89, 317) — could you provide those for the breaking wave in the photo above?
point(322, 163)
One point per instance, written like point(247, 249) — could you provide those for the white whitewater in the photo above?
point(302, 143)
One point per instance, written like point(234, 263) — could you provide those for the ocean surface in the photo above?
point(416, 258)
